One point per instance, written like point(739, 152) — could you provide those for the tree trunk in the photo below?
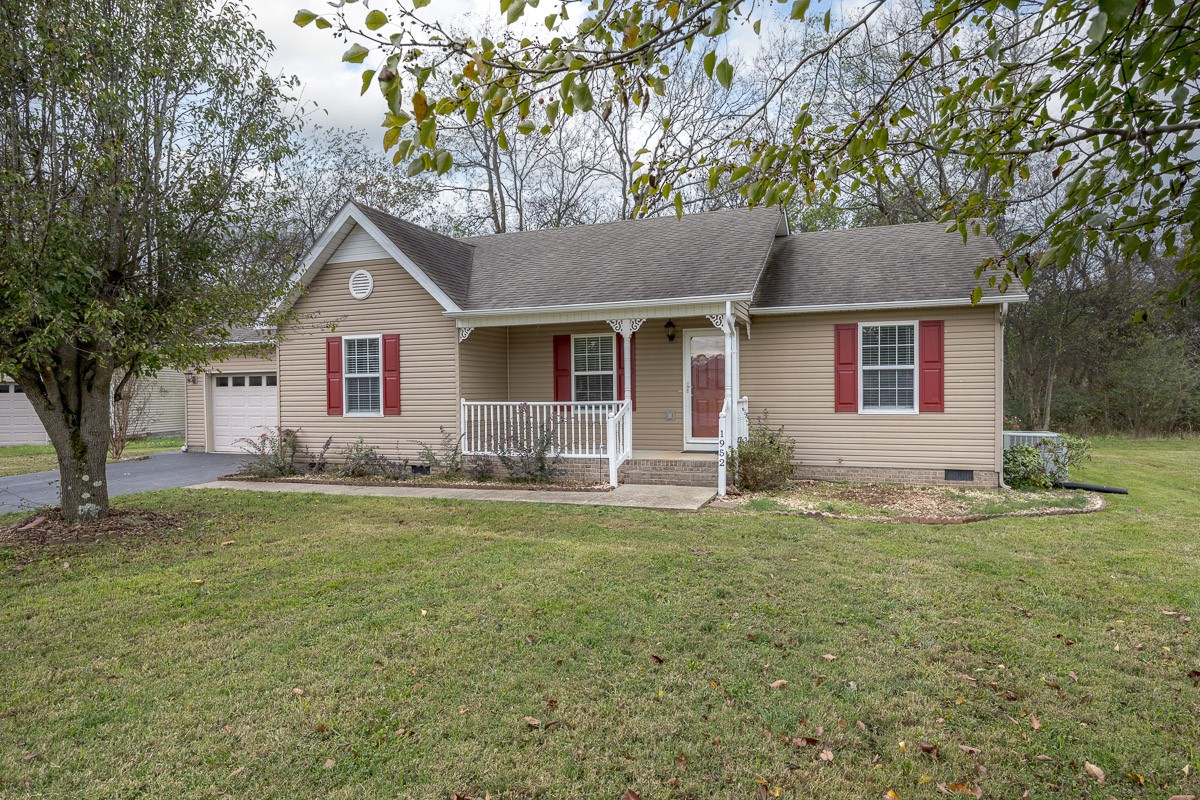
point(75, 412)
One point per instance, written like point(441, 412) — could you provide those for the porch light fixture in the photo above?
point(670, 326)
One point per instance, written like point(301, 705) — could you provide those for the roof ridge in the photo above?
point(612, 222)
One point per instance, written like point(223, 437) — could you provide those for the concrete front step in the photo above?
point(675, 472)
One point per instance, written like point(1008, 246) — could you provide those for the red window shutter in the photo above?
point(562, 369)
point(333, 376)
point(932, 351)
point(845, 367)
point(632, 368)
point(391, 374)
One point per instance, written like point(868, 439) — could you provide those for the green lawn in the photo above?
point(645, 644)
point(22, 458)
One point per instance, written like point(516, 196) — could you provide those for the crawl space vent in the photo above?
point(361, 284)
point(960, 474)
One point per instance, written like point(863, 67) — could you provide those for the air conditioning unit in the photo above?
point(1050, 445)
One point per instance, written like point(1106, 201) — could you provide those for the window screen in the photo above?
point(364, 389)
point(594, 368)
point(888, 367)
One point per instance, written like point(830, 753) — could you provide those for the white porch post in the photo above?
point(627, 328)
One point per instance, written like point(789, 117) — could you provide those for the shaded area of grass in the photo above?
point(650, 640)
point(22, 458)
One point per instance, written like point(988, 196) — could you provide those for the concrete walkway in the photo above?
point(627, 495)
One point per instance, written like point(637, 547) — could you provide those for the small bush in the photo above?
point(362, 460)
point(533, 459)
point(1025, 468)
point(272, 454)
point(763, 460)
point(446, 458)
point(480, 468)
point(318, 462)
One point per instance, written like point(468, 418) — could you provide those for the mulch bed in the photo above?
point(48, 528)
point(536, 487)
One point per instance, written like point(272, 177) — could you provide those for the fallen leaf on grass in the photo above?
point(1094, 772)
point(827, 754)
point(235, 773)
point(779, 684)
point(657, 659)
point(805, 741)
point(1138, 779)
point(928, 748)
point(1052, 684)
point(1074, 675)
point(1195, 676)
point(298, 691)
point(1041, 758)
point(1034, 721)
point(971, 751)
point(890, 794)
point(329, 763)
point(1183, 797)
point(533, 722)
point(829, 657)
point(960, 788)
point(630, 794)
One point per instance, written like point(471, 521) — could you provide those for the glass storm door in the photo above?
point(704, 387)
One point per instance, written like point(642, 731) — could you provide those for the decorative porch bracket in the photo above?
point(463, 333)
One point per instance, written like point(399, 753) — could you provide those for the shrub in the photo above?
point(763, 460)
point(272, 454)
point(362, 460)
point(533, 458)
point(1025, 468)
point(480, 468)
point(446, 458)
point(319, 461)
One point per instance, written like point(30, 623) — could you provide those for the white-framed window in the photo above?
point(887, 367)
point(594, 368)
point(362, 375)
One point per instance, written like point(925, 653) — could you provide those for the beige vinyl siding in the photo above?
point(196, 434)
point(483, 359)
point(165, 404)
point(659, 372)
point(428, 360)
point(787, 370)
point(358, 246)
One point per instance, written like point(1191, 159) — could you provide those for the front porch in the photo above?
point(671, 416)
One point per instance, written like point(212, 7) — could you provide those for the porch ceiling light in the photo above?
point(670, 326)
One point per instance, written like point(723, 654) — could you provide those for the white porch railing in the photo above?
point(743, 420)
point(575, 430)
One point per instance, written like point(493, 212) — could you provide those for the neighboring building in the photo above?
point(862, 343)
point(162, 416)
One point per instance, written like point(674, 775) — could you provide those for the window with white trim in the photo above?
point(593, 368)
point(363, 375)
point(888, 359)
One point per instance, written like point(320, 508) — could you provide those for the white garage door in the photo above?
point(243, 407)
point(19, 423)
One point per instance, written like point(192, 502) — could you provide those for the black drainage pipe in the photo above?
point(1088, 487)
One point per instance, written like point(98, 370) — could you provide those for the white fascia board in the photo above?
point(887, 304)
point(617, 305)
point(329, 241)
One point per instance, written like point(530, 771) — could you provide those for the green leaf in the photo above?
point(678, 204)
point(367, 77)
point(421, 3)
point(582, 96)
point(515, 11)
point(710, 62)
point(724, 73)
point(323, 24)
point(1098, 27)
point(976, 295)
point(303, 17)
point(376, 19)
point(526, 127)
point(416, 167)
point(799, 9)
point(1118, 10)
point(355, 54)
point(443, 162)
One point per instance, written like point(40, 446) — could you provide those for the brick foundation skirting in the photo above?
point(930, 477)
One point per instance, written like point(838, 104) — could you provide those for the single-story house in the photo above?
point(159, 404)
point(643, 345)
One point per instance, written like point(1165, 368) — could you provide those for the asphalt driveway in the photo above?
point(162, 471)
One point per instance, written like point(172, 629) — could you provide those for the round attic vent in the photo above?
point(361, 284)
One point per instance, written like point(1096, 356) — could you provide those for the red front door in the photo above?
point(706, 355)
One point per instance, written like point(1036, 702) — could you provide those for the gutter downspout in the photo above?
point(1000, 392)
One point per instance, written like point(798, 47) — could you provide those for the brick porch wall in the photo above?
point(933, 477)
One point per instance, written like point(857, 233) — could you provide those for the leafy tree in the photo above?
point(1107, 90)
point(136, 216)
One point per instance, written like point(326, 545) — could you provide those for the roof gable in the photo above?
point(441, 265)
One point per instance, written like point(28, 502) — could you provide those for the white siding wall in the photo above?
point(358, 246)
